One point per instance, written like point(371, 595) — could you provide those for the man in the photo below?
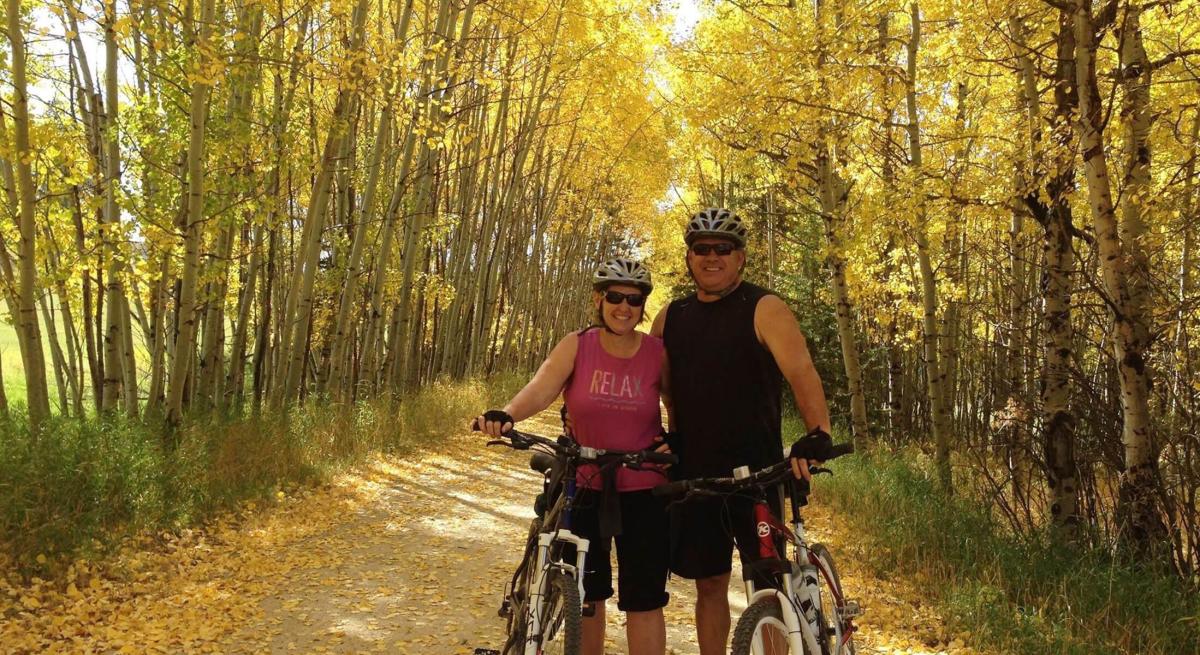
point(729, 347)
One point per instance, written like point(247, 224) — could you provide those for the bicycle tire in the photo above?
point(761, 613)
point(830, 618)
point(563, 627)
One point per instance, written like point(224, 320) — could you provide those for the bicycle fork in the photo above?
point(539, 593)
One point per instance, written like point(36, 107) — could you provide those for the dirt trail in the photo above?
point(408, 556)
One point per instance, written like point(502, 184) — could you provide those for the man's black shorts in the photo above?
point(705, 531)
point(642, 550)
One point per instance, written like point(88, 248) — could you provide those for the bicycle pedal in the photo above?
point(850, 609)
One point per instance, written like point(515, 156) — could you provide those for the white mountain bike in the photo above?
point(542, 601)
point(808, 613)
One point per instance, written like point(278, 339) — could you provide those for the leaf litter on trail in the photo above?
point(405, 556)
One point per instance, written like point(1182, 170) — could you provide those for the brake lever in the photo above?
point(497, 442)
point(817, 470)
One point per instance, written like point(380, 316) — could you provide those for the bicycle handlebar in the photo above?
point(767, 477)
point(568, 448)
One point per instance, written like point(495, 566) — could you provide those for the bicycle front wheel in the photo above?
point(562, 631)
point(837, 633)
point(761, 631)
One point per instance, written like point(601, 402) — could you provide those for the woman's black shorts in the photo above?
point(642, 550)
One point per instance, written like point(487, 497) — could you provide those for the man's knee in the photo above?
point(713, 587)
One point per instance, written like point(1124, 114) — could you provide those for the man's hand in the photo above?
point(816, 442)
point(800, 467)
point(663, 447)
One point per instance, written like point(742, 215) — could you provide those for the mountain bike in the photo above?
point(808, 610)
point(543, 600)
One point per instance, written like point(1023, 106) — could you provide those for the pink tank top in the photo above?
point(613, 403)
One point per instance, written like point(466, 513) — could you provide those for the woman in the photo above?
point(610, 376)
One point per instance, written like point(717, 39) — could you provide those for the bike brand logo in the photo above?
point(764, 529)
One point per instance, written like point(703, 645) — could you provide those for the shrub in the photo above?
point(1029, 595)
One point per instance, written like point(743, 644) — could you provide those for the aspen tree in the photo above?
point(29, 335)
point(1138, 507)
point(186, 309)
point(935, 379)
point(833, 192)
point(1056, 217)
point(293, 346)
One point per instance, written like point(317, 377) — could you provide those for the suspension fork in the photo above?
point(539, 592)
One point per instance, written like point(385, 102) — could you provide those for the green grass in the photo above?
point(13, 369)
point(1013, 595)
point(87, 484)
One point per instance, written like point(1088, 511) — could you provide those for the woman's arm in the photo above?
point(548, 382)
point(545, 386)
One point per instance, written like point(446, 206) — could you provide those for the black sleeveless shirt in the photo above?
point(725, 385)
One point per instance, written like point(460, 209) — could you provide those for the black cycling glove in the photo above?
point(816, 445)
point(674, 441)
point(498, 415)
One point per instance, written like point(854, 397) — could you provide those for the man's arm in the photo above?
point(778, 330)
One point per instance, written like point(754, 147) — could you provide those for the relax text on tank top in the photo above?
point(725, 385)
point(614, 404)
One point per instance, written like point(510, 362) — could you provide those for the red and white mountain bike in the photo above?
point(807, 613)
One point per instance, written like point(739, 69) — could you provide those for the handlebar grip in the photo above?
point(841, 449)
point(677, 488)
point(541, 462)
point(660, 458)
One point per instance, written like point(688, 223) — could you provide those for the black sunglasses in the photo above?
point(722, 249)
point(634, 299)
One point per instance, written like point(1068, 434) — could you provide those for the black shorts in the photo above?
point(642, 550)
point(705, 531)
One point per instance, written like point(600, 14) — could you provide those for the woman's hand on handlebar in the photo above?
point(494, 422)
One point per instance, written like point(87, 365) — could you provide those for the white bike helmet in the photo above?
point(716, 222)
point(620, 270)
